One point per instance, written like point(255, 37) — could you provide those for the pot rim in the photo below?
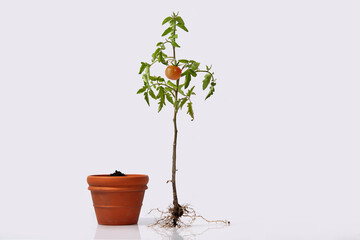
point(103, 180)
point(126, 176)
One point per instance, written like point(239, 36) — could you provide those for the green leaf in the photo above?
point(206, 81)
point(156, 53)
point(183, 61)
point(183, 101)
point(147, 71)
point(174, 44)
point(190, 110)
point(142, 68)
point(181, 92)
point(161, 104)
point(160, 79)
point(161, 59)
point(195, 66)
point(161, 94)
point(173, 36)
point(146, 96)
point(183, 27)
point(169, 98)
point(192, 72)
point(190, 92)
point(166, 20)
point(152, 94)
point(180, 20)
point(185, 73)
point(171, 84)
point(146, 80)
point(187, 79)
point(167, 31)
point(211, 92)
point(141, 90)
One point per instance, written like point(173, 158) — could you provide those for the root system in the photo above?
point(181, 216)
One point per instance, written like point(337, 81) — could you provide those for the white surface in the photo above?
point(275, 150)
point(290, 228)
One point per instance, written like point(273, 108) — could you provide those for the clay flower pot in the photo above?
point(117, 199)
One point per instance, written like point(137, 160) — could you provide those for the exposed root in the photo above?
point(180, 216)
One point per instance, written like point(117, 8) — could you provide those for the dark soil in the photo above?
point(117, 173)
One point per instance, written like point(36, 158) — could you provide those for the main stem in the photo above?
point(173, 177)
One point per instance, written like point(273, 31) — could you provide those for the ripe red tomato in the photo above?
point(173, 72)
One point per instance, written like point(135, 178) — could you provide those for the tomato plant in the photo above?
point(184, 71)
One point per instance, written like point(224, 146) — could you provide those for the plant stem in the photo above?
point(173, 178)
point(173, 175)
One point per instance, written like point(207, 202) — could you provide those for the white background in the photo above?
point(275, 150)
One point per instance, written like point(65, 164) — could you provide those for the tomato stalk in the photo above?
point(177, 211)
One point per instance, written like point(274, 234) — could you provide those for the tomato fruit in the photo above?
point(173, 72)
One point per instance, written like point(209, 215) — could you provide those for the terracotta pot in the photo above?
point(117, 199)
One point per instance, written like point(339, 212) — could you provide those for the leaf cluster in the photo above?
point(163, 91)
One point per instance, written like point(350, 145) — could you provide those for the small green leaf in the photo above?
point(180, 20)
point(161, 104)
point(142, 68)
point(183, 101)
point(146, 80)
point(173, 36)
point(187, 79)
point(206, 81)
point(156, 53)
point(174, 44)
point(147, 71)
point(161, 94)
point(195, 66)
point(183, 61)
point(185, 73)
point(167, 31)
point(141, 90)
point(183, 27)
point(190, 110)
point(190, 92)
point(169, 98)
point(152, 94)
point(161, 59)
point(171, 84)
point(166, 20)
point(146, 96)
point(211, 92)
point(192, 72)
point(181, 92)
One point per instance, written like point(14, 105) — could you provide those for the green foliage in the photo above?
point(206, 81)
point(190, 110)
point(173, 91)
